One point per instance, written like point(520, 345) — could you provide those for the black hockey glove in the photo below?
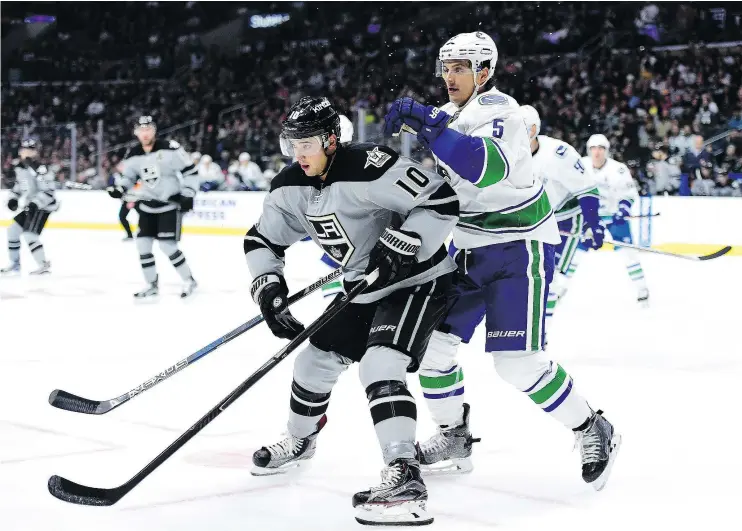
point(185, 202)
point(394, 255)
point(270, 292)
point(117, 192)
point(12, 204)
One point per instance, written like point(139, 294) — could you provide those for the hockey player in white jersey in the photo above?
point(618, 194)
point(504, 242)
point(573, 194)
point(34, 191)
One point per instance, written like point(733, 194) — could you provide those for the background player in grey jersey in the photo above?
point(368, 208)
point(34, 188)
point(169, 183)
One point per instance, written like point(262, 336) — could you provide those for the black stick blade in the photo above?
point(717, 254)
point(68, 401)
point(72, 492)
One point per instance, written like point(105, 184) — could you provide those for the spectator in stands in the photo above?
point(697, 154)
point(664, 176)
point(703, 178)
point(725, 187)
point(210, 174)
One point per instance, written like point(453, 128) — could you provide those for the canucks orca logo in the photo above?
point(332, 237)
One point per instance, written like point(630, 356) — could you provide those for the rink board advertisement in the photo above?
point(684, 224)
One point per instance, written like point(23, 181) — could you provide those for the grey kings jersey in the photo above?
point(367, 189)
point(159, 172)
point(34, 183)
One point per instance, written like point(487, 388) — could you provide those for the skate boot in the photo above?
point(643, 298)
point(44, 269)
point(289, 454)
point(13, 269)
point(188, 288)
point(151, 291)
point(599, 444)
point(449, 450)
point(400, 499)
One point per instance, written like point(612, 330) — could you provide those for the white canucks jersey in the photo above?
point(615, 184)
point(507, 203)
point(558, 166)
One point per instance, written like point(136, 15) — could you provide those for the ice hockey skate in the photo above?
point(286, 455)
point(448, 451)
point(599, 444)
point(188, 288)
point(14, 268)
point(149, 292)
point(399, 499)
point(44, 269)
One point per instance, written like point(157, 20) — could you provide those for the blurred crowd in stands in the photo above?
point(652, 77)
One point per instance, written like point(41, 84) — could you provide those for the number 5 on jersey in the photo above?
point(414, 182)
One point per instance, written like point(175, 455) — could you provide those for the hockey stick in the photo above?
point(702, 258)
point(407, 129)
point(77, 186)
point(64, 400)
point(72, 492)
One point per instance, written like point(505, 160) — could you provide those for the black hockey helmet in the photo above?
point(310, 117)
point(145, 121)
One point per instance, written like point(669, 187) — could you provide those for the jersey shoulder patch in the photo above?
point(173, 145)
point(492, 99)
point(561, 150)
point(361, 162)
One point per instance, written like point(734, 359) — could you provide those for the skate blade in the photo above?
point(600, 482)
point(287, 469)
point(411, 513)
point(448, 467)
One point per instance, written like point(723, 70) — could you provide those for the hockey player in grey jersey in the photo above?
point(161, 200)
point(368, 208)
point(34, 188)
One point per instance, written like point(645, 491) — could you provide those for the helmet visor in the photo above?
point(452, 66)
point(301, 147)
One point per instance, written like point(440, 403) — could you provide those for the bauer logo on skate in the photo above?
point(506, 333)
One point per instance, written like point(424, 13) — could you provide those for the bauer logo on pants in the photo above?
point(332, 237)
point(507, 333)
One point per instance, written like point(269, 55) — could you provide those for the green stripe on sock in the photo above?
point(550, 389)
point(496, 166)
point(636, 272)
point(438, 382)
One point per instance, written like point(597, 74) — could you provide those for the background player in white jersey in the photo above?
point(168, 185)
point(618, 194)
point(369, 208)
point(505, 239)
point(573, 194)
point(34, 191)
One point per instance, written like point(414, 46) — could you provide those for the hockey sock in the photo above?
point(383, 371)
point(546, 383)
point(442, 380)
point(306, 408)
point(574, 264)
point(14, 250)
point(636, 274)
point(147, 259)
point(37, 250)
point(394, 413)
point(444, 393)
point(179, 263)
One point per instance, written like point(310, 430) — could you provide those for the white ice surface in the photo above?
point(665, 376)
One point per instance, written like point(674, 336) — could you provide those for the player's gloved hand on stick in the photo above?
point(116, 192)
point(270, 292)
point(427, 120)
point(624, 211)
point(394, 255)
point(594, 236)
point(12, 204)
point(185, 201)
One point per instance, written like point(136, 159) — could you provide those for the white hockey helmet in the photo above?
point(346, 129)
point(244, 157)
point(476, 47)
point(530, 117)
point(598, 141)
point(206, 159)
point(196, 156)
